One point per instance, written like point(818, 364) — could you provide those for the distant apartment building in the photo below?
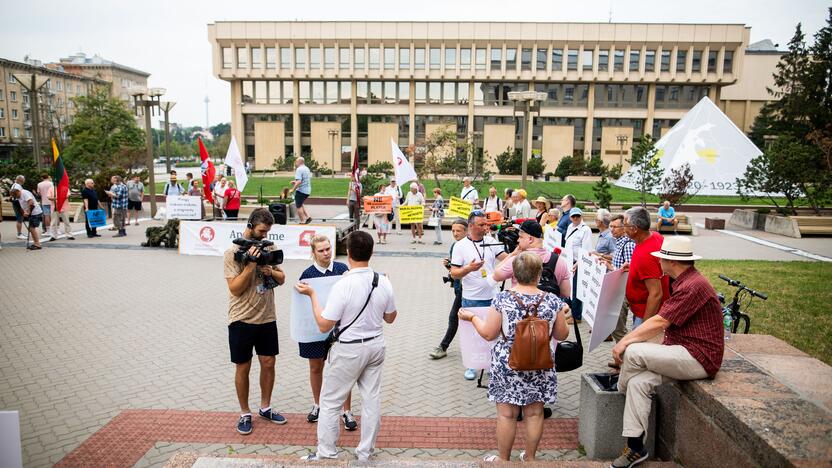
point(121, 77)
point(318, 88)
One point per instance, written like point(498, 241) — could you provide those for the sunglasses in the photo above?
point(478, 213)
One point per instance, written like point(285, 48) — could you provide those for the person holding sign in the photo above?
point(414, 198)
point(469, 192)
point(381, 220)
point(692, 347)
point(513, 390)
point(578, 237)
point(396, 192)
point(473, 262)
point(90, 198)
point(323, 265)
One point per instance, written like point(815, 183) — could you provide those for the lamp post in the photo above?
point(622, 140)
point(32, 83)
point(332, 134)
point(148, 99)
point(166, 106)
point(527, 102)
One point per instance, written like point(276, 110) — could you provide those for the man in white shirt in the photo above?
point(415, 198)
point(469, 193)
point(18, 211)
point(32, 212)
point(359, 304)
point(473, 261)
point(493, 202)
point(396, 192)
point(44, 187)
point(578, 238)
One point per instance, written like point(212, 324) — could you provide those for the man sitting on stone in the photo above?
point(667, 217)
point(691, 320)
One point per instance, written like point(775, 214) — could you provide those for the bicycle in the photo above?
point(733, 308)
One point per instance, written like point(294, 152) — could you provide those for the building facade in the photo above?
point(328, 88)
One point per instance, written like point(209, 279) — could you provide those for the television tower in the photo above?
point(206, 100)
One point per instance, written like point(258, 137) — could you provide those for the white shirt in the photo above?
point(25, 196)
point(522, 210)
point(470, 194)
point(476, 285)
point(219, 193)
point(394, 192)
point(578, 238)
point(348, 296)
point(493, 204)
point(414, 199)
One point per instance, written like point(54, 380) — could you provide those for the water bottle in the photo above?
point(728, 323)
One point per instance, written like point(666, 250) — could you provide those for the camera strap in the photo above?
point(375, 284)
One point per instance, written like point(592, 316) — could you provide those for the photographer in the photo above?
point(458, 229)
point(555, 276)
point(251, 313)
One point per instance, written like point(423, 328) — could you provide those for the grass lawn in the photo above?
point(326, 187)
point(798, 308)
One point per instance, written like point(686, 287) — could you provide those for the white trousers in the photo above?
point(645, 367)
point(57, 218)
point(347, 365)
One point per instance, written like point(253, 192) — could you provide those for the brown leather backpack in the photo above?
point(531, 350)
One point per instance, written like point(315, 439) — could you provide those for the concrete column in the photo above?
point(651, 110)
point(411, 110)
point(590, 112)
point(237, 121)
point(296, 118)
point(470, 128)
point(353, 117)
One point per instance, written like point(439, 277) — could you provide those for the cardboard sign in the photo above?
point(215, 237)
point(551, 237)
point(382, 204)
point(459, 208)
point(96, 218)
point(604, 294)
point(411, 214)
point(183, 207)
point(476, 352)
point(303, 327)
point(494, 217)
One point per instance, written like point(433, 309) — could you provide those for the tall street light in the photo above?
point(32, 83)
point(526, 102)
point(622, 140)
point(166, 106)
point(149, 100)
point(333, 133)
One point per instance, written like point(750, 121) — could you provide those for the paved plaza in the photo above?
point(92, 330)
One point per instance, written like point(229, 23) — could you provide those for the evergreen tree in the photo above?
point(648, 172)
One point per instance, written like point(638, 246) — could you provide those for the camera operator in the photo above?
point(251, 314)
point(459, 229)
point(530, 239)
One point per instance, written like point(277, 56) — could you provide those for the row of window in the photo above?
point(57, 83)
point(16, 132)
point(436, 58)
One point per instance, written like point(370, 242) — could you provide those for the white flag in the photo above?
point(404, 171)
point(233, 160)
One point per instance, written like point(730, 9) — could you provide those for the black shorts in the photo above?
point(35, 221)
point(242, 337)
point(300, 197)
point(313, 350)
point(18, 212)
point(134, 205)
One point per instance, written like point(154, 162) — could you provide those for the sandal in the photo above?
point(523, 456)
point(491, 458)
point(34, 247)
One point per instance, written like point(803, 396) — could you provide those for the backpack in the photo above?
point(548, 282)
point(531, 350)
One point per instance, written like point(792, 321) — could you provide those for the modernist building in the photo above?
point(327, 88)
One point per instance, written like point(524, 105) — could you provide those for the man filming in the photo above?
point(252, 317)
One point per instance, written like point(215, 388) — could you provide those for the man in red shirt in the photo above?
point(691, 320)
point(646, 287)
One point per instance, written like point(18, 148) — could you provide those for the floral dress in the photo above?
point(521, 387)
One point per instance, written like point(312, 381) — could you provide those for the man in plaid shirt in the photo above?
point(118, 195)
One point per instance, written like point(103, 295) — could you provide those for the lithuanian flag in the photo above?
point(61, 179)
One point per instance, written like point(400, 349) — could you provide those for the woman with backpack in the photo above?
point(522, 365)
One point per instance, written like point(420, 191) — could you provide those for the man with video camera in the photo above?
point(252, 272)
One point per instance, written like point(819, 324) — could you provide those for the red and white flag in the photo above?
point(208, 171)
point(356, 176)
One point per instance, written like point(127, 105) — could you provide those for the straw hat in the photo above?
point(544, 201)
point(676, 248)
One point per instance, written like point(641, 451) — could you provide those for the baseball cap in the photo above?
point(532, 228)
point(575, 212)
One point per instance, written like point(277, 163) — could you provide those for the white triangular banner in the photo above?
point(233, 160)
point(404, 171)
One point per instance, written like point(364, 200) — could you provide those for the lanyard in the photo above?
point(481, 255)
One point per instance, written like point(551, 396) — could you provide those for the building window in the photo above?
point(618, 64)
point(285, 58)
point(465, 59)
point(2, 131)
point(300, 58)
point(227, 58)
point(434, 92)
point(728, 62)
point(344, 58)
point(681, 59)
point(650, 61)
point(404, 92)
point(404, 59)
point(315, 58)
point(248, 92)
point(665, 60)
point(679, 97)
point(14, 114)
point(496, 59)
point(274, 92)
point(361, 92)
point(419, 58)
point(541, 59)
point(448, 93)
point(603, 60)
point(376, 91)
point(481, 58)
point(288, 92)
point(462, 93)
point(572, 60)
point(346, 92)
point(358, 58)
point(511, 59)
point(435, 56)
point(60, 85)
point(2, 113)
point(389, 58)
point(635, 58)
point(696, 64)
point(13, 96)
point(304, 94)
point(16, 132)
point(256, 57)
point(374, 58)
point(421, 92)
point(450, 59)
point(496, 93)
point(261, 94)
point(11, 79)
point(712, 56)
point(329, 58)
point(2, 94)
point(271, 58)
point(587, 60)
point(526, 59)
point(389, 92)
point(331, 92)
point(615, 95)
point(242, 57)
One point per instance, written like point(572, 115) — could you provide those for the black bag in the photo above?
point(547, 281)
point(569, 355)
point(335, 333)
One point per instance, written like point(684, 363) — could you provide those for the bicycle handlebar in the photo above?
point(742, 287)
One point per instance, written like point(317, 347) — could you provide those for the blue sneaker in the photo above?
point(244, 425)
point(470, 374)
point(276, 418)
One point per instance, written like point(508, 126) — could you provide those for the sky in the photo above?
point(169, 39)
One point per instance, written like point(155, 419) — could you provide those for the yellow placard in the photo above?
point(459, 208)
point(412, 214)
point(381, 204)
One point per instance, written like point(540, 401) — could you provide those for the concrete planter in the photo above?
point(600, 419)
point(748, 219)
point(783, 225)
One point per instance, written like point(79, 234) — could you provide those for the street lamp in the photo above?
point(527, 102)
point(148, 99)
point(32, 83)
point(622, 140)
point(166, 106)
point(332, 134)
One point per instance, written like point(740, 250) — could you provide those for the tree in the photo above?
point(601, 190)
point(510, 162)
point(446, 154)
point(676, 187)
point(646, 168)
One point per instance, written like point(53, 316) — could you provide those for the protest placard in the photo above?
point(302, 325)
point(378, 204)
point(459, 208)
point(551, 237)
point(411, 214)
point(183, 207)
point(96, 218)
point(476, 351)
point(494, 217)
point(604, 296)
point(215, 237)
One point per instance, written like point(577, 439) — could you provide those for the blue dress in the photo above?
point(521, 388)
point(317, 349)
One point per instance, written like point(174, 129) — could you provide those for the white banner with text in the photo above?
point(215, 237)
point(183, 207)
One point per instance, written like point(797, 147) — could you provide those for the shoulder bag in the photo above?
point(336, 332)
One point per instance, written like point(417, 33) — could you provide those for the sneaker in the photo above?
point(523, 456)
point(70, 237)
point(272, 416)
point(628, 458)
point(313, 415)
point(491, 458)
point(244, 425)
point(438, 353)
point(470, 374)
point(21, 236)
point(413, 241)
point(350, 423)
point(311, 457)
point(437, 243)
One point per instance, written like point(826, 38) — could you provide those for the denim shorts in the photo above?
point(476, 302)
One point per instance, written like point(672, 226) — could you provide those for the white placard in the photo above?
point(303, 327)
point(587, 269)
point(183, 207)
point(476, 351)
point(551, 237)
point(11, 455)
point(215, 237)
point(601, 310)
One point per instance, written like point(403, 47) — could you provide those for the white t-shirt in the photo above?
point(414, 199)
point(25, 196)
point(578, 238)
point(476, 285)
point(470, 194)
point(394, 192)
point(522, 210)
point(219, 193)
point(493, 204)
point(348, 296)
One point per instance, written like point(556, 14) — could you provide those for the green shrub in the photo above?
point(595, 167)
point(614, 172)
point(509, 162)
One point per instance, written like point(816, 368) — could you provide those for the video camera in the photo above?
point(509, 233)
point(266, 257)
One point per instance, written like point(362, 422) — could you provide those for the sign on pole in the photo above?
point(459, 208)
